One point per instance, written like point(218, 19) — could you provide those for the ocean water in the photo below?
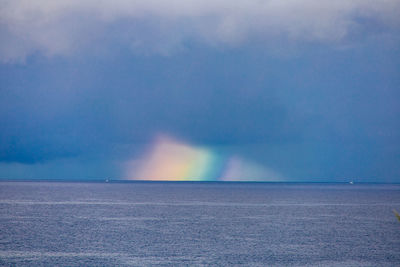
point(198, 224)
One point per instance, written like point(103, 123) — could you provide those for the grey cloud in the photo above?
point(65, 26)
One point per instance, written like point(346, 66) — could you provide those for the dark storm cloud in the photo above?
point(66, 108)
point(311, 94)
point(303, 115)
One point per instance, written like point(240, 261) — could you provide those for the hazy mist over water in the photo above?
point(198, 224)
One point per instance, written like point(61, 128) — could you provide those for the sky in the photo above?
point(211, 90)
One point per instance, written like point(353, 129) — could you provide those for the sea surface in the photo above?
point(198, 224)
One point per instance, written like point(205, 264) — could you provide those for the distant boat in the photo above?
point(107, 180)
point(351, 182)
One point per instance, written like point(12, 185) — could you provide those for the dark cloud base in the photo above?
point(322, 113)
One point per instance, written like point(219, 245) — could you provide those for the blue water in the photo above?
point(198, 224)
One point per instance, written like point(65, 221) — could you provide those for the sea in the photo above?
point(198, 224)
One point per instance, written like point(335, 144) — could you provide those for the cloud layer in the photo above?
point(66, 26)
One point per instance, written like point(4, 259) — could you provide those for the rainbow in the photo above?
point(171, 160)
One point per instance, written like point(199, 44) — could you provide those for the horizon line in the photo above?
point(191, 181)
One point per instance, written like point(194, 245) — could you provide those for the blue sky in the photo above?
point(304, 90)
